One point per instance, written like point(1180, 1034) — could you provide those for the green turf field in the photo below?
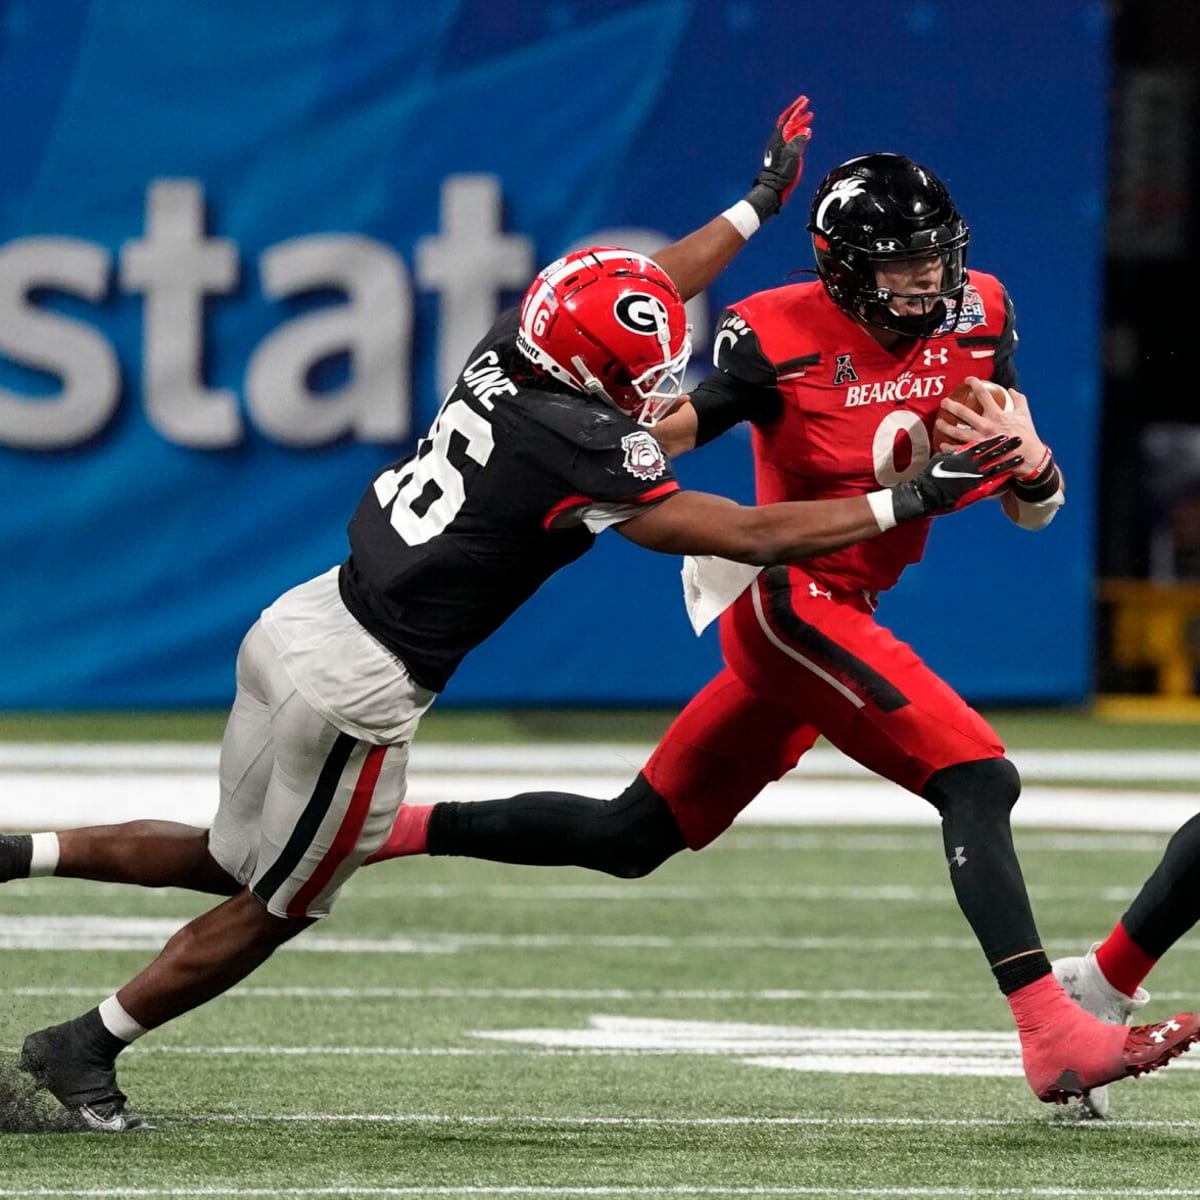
point(643, 1036)
point(1023, 728)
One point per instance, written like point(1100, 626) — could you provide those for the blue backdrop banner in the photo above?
point(242, 256)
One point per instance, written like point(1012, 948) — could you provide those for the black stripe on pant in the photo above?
point(310, 819)
point(847, 668)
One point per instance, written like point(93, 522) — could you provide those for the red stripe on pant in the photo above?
point(347, 835)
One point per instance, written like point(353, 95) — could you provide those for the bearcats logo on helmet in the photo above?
point(644, 458)
point(641, 313)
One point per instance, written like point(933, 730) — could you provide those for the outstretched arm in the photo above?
point(696, 260)
point(699, 523)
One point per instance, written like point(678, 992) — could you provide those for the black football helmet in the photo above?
point(880, 208)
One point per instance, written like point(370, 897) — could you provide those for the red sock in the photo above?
point(408, 834)
point(1122, 961)
point(1037, 1002)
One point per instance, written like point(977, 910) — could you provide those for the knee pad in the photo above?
point(989, 783)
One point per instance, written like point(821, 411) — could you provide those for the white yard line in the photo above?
point(630, 1121)
point(68, 785)
point(30, 800)
point(393, 886)
point(716, 1190)
point(569, 994)
point(89, 932)
point(572, 995)
point(584, 757)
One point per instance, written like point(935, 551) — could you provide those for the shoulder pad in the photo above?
point(736, 350)
point(589, 424)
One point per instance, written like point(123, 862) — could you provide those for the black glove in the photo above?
point(956, 478)
point(783, 159)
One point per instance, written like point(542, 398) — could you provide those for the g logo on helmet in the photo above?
point(641, 313)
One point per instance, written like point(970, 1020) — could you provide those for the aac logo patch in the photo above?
point(843, 370)
point(644, 458)
point(641, 313)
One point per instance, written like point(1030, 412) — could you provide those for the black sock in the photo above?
point(94, 1040)
point(16, 856)
point(974, 800)
point(1169, 903)
point(1017, 973)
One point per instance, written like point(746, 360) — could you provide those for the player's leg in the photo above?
point(160, 853)
point(628, 836)
point(144, 853)
point(824, 657)
point(724, 747)
point(1107, 980)
point(329, 801)
point(1167, 906)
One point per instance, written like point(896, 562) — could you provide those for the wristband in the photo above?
point(1041, 483)
point(883, 507)
point(743, 216)
point(1040, 487)
point(1043, 467)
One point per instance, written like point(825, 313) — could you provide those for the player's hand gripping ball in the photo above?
point(965, 395)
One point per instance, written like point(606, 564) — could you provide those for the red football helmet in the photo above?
point(610, 323)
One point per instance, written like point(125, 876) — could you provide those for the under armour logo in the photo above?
point(938, 354)
point(815, 591)
point(959, 857)
point(1160, 1034)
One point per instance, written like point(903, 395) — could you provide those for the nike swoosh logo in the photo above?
point(939, 472)
point(766, 160)
point(115, 1124)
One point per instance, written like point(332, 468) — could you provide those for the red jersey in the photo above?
point(852, 417)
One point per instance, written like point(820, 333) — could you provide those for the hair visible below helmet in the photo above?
point(610, 323)
point(884, 208)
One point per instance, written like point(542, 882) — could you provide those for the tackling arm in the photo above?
point(699, 523)
point(696, 260)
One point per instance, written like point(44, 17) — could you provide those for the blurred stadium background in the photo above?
point(244, 246)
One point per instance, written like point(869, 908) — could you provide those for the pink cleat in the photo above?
point(1060, 1064)
point(1067, 1052)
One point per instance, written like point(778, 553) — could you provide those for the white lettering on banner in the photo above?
point(176, 265)
point(470, 262)
point(180, 272)
point(374, 327)
point(47, 341)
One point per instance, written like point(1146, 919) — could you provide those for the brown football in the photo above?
point(965, 396)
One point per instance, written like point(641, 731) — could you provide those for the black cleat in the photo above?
point(16, 855)
point(80, 1076)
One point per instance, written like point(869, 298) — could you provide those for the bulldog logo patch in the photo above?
point(644, 458)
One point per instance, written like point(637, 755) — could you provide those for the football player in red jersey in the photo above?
point(541, 444)
point(842, 380)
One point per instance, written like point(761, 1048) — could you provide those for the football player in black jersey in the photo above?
point(545, 440)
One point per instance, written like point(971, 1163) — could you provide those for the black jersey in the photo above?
point(512, 482)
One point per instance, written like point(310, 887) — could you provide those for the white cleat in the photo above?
point(1084, 982)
